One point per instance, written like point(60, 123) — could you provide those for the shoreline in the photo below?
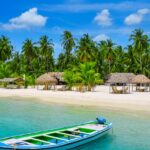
point(101, 97)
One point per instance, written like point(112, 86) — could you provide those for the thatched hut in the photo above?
point(12, 82)
point(46, 80)
point(120, 82)
point(141, 82)
point(58, 76)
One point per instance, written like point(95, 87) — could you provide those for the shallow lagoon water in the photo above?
point(131, 129)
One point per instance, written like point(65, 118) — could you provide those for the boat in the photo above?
point(58, 139)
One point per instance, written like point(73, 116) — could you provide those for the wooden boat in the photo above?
point(58, 139)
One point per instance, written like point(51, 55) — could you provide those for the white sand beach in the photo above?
point(101, 97)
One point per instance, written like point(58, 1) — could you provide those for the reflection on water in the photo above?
point(131, 129)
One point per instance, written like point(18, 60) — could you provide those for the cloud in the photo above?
point(101, 37)
point(144, 11)
point(26, 20)
point(103, 18)
point(137, 17)
point(83, 6)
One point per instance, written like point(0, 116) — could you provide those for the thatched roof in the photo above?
point(57, 75)
point(120, 78)
point(11, 79)
point(46, 79)
point(140, 79)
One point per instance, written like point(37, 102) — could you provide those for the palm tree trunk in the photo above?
point(141, 64)
point(109, 66)
point(47, 65)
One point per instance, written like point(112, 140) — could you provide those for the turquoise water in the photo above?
point(131, 129)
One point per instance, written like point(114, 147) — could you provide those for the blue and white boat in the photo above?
point(58, 139)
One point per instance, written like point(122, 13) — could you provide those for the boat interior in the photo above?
point(55, 137)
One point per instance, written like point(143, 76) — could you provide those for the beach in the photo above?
point(134, 101)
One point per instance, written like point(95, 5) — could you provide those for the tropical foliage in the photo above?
point(66, 58)
point(84, 61)
point(82, 76)
point(5, 48)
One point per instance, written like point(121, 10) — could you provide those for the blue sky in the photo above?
point(105, 19)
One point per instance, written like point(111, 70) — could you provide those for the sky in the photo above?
point(102, 19)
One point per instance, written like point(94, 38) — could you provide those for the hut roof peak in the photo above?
point(120, 77)
point(140, 79)
point(46, 79)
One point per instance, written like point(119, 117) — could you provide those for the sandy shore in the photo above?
point(101, 97)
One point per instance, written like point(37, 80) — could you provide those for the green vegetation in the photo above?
point(83, 76)
point(84, 61)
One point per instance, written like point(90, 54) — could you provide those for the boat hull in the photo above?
point(79, 143)
point(72, 144)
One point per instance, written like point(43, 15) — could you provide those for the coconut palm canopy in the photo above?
point(120, 78)
point(107, 55)
point(46, 79)
point(140, 79)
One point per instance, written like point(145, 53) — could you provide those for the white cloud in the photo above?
point(83, 6)
point(133, 19)
point(101, 37)
point(26, 20)
point(137, 17)
point(103, 18)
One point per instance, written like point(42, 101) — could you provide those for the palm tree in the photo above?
point(28, 50)
point(5, 48)
point(87, 75)
point(82, 75)
point(68, 44)
point(46, 52)
point(101, 59)
point(4, 70)
point(15, 63)
point(86, 49)
point(61, 64)
point(131, 60)
point(140, 43)
point(119, 60)
point(109, 52)
point(70, 77)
